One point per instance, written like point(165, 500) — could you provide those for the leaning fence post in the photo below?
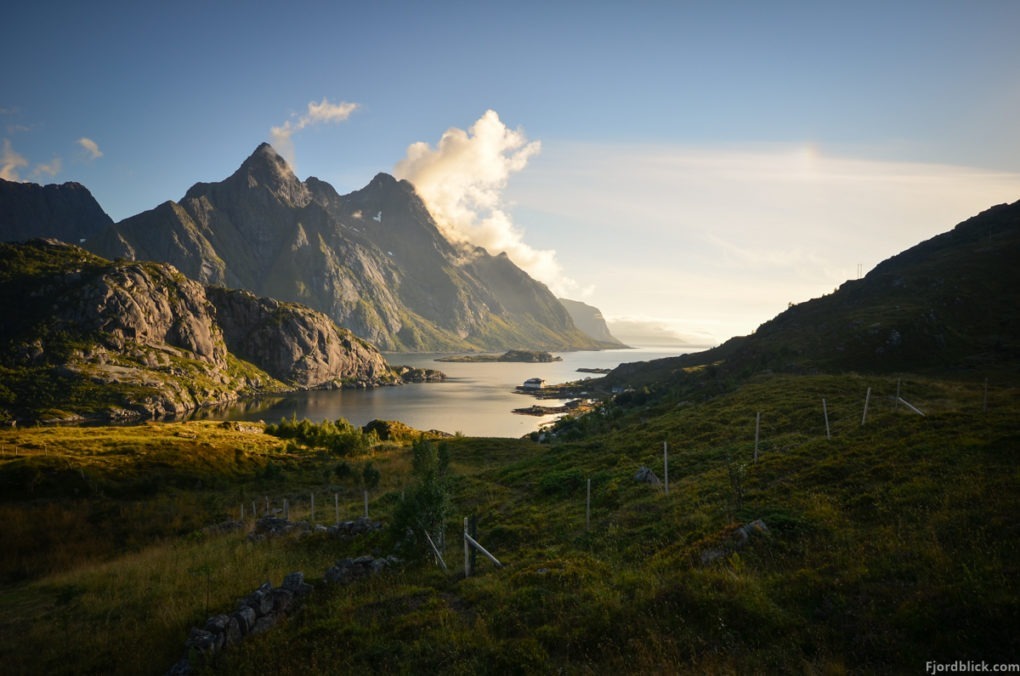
point(825, 412)
point(867, 398)
point(311, 510)
point(435, 550)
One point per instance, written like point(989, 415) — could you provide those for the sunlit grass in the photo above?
point(891, 543)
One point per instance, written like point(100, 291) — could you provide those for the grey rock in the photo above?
point(647, 476)
point(245, 617)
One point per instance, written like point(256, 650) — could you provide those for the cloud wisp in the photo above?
point(11, 162)
point(323, 112)
point(462, 181)
point(91, 148)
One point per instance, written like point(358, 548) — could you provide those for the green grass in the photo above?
point(891, 544)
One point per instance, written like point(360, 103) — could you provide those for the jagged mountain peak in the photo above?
point(265, 170)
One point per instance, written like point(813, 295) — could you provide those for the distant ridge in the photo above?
point(590, 320)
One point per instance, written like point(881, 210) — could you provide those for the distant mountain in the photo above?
point(373, 260)
point(590, 320)
point(67, 212)
point(84, 336)
point(947, 304)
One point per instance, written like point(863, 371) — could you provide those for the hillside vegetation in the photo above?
point(890, 544)
point(839, 501)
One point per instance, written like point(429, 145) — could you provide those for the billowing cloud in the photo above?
point(91, 147)
point(462, 181)
point(10, 162)
point(323, 112)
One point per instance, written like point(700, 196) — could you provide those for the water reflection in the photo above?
point(477, 399)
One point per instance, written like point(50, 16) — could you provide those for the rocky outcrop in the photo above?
point(374, 261)
point(87, 337)
point(311, 352)
point(67, 212)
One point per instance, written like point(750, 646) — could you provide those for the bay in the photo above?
point(477, 398)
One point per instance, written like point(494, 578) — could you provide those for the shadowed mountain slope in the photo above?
point(949, 303)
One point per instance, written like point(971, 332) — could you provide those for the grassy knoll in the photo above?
point(890, 544)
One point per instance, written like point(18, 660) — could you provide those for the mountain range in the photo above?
point(374, 260)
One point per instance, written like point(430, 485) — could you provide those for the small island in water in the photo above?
point(525, 356)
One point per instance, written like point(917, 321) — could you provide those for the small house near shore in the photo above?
point(533, 384)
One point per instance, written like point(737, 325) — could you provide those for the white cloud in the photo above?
point(11, 162)
point(462, 181)
point(91, 147)
point(323, 112)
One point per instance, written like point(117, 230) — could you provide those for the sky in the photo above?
point(689, 168)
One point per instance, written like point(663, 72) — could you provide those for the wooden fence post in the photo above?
point(757, 428)
point(867, 398)
point(665, 465)
point(587, 508)
point(311, 510)
point(467, 551)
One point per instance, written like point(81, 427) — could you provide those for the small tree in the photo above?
point(426, 506)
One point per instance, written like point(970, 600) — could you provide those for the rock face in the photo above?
point(67, 212)
point(88, 337)
point(590, 320)
point(313, 352)
point(374, 260)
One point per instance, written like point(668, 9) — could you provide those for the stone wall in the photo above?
point(261, 610)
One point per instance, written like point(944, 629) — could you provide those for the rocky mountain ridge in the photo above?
point(373, 260)
point(94, 338)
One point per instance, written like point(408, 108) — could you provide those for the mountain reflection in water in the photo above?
point(477, 399)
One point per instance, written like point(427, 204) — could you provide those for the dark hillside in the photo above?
point(949, 303)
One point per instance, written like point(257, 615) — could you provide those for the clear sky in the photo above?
point(690, 168)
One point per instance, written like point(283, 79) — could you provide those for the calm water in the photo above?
point(476, 398)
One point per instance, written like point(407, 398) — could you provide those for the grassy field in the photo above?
point(888, 545)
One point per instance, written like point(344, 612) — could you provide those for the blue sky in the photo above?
point(689, 168)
